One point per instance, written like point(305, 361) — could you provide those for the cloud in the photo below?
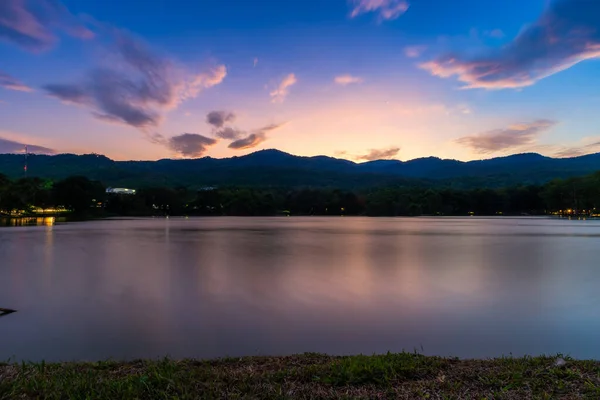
point(11, 146)
point(565, 34)
point(32, 24)
point(190, 144)
point(255, 61)
point(239, 138)
point(278, 95)
point(577, 151)
point(8, 82)
point(347, 79)
point(379, 154)
point(219, 118)
point(504, 139)
point(429, 110)
point(69, 94)
point(250, 141)
point(569, 152)
point(387, 9)
point(141, 91)
point(464, 109)
point(229, 133)
point(204, 80)
point(254, 139)
point(414, 51)
point(496, 33)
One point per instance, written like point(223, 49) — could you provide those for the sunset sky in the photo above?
point(355, 79)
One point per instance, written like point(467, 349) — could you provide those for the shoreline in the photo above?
point(307, 376)
point(72, 218)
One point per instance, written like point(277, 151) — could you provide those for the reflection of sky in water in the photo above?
point(235, 286)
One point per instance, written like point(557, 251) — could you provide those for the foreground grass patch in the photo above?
point(308, 376)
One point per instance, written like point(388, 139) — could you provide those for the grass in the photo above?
point(308, 376)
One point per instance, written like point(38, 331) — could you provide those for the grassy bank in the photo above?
point(308, 376)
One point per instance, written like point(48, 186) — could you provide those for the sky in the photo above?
point(353, 79)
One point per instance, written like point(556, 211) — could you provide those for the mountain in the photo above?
point(277, 168)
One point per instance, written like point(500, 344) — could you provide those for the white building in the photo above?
point(120, 191)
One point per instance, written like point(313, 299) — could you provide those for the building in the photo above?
point(120, 191)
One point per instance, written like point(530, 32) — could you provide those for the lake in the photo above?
point(213, 287)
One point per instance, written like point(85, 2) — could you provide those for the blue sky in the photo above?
point(357, 79)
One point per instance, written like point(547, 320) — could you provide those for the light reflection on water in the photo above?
point(244, 286)
point(30, 221)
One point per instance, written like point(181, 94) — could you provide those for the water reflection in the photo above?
point(30, 221)
point(240, 286)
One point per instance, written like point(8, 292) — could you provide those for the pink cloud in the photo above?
point(379, 154)
point(564, 35)
point(140, 94)
point(8, 82)
point(414, 51)
point(13, 146)
point(253, 139)
point(229, 133)
point(204, 80)
point(32, 24)
point(347, 79)
point(514, 136)
point(280, 93)
point(387, 9)
point(577, 150)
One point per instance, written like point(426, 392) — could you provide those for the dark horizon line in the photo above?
point(317, 156)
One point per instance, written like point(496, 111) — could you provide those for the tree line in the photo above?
point(81, 195)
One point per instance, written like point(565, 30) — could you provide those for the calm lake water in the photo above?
point(214, 287)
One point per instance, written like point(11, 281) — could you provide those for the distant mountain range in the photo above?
point(276, 168)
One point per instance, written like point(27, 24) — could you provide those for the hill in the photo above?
point(276, 168)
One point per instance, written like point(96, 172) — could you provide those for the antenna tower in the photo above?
point(25, 166)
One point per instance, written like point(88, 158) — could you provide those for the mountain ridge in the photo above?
point(275, 167)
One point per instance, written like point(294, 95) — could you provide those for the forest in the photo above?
point(82, 196)
point(273, 168)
